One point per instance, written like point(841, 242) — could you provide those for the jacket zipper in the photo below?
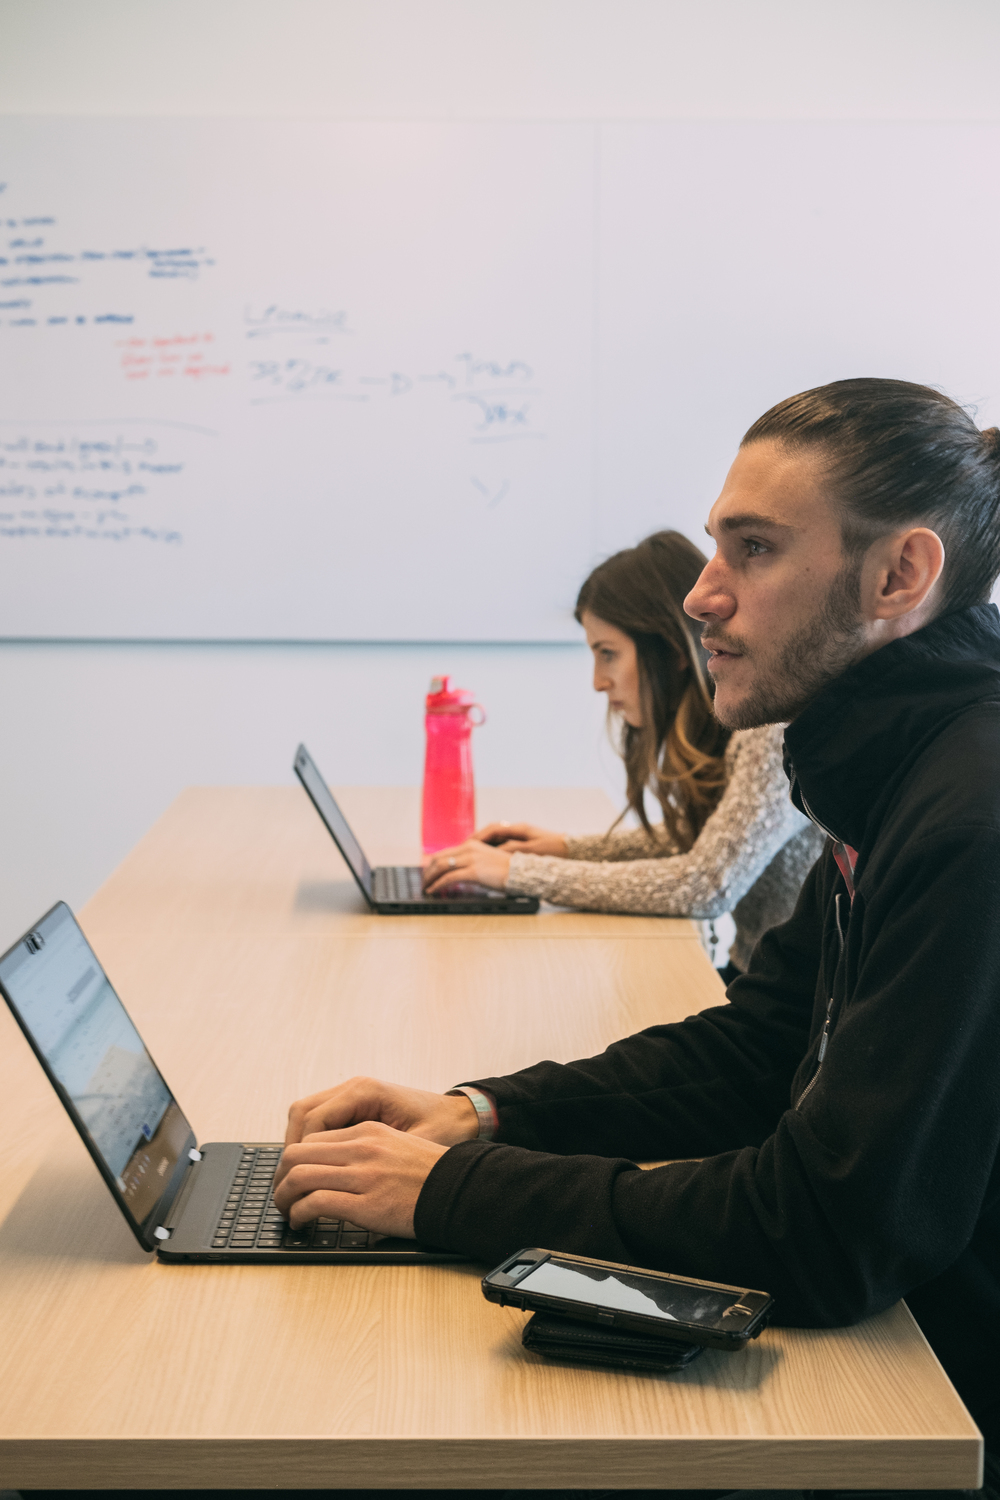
point(824, 1036)
point(813, 818)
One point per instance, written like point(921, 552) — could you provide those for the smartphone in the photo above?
point(627, 1297)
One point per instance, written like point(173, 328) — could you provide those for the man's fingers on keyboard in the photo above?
point(300, 1110)
point(317, 1177)
point(323, 1205)
point(323, 1152)
point(332, 1109)
point(386, 1168)
point(324, 1111)
point(370, 1141)
point(355, 1103)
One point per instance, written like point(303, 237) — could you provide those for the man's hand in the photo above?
point(469, 861)
point(445, 1118)
point(522, 838)
point(369, 1174)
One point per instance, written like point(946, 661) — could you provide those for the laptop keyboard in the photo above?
point(399, 883)
point(250, 1220)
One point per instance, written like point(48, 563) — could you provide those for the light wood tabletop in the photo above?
point(255, 975)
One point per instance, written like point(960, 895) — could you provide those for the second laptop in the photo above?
point(397, 889)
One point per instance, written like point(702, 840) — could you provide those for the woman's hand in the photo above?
point(522, 838)
point(472, 860)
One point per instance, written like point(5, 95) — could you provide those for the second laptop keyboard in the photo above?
point(399, 883)
point(250, 1221)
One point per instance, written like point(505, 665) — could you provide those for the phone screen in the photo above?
point(627, 1292)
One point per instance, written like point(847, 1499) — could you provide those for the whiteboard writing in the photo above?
point(74, 485)
point(168, 355)
point(318, 325)
point(30, 260)
point(298, 381)
point(498, 399)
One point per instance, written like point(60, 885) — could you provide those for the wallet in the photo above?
point(562, 1338)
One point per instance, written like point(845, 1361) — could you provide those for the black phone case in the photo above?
point(628, 1324)
point(562, 1338)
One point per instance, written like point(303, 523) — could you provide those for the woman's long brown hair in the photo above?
point(678, 752)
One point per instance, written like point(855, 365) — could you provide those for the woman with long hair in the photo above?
point(730, 838)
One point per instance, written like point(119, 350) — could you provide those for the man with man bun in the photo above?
point(839, 1118)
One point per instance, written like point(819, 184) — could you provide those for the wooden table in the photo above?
point(256, 976)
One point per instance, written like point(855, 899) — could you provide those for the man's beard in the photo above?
point(813, 656)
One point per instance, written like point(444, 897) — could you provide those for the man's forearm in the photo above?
point(711, 1083)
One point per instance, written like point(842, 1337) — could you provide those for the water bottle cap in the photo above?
point(444, 699)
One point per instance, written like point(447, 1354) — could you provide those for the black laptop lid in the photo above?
point(322, 799)
point(94, 1057)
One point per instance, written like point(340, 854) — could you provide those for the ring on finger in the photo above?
point(452, 862)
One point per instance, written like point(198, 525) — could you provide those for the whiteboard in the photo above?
point(320, 381)
point(295, 381)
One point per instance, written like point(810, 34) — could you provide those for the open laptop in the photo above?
point(189, 1203)
point(396, 889)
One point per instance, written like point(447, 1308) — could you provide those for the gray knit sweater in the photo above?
point(750, 858)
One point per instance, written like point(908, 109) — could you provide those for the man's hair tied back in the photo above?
point(898, 454)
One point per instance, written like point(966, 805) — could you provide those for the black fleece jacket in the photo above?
point(837, 1184)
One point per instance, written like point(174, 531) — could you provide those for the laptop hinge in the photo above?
point(177, 1207)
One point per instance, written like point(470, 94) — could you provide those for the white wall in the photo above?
point(96, 740)
point(503, 59)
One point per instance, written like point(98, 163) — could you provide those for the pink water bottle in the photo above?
point(449, 812)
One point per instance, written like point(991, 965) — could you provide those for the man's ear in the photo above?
point(908, 564)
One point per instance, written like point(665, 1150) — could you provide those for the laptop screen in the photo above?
point(82, 1034)
point(322, 799)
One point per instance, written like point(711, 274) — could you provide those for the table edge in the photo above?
point(636, 1462)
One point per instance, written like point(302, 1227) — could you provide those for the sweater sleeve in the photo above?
point(753, 820)
point(623, 843)
point(864, 1182)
